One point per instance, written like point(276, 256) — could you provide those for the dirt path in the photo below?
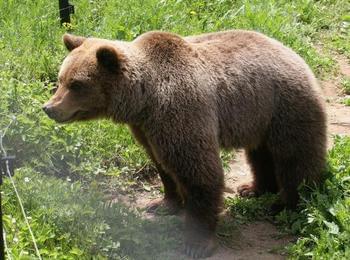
point(257, 240)
point(338, 113)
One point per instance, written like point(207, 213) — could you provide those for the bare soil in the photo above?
point(338, 113)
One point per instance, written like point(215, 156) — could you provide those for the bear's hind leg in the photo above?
point(262, 166)
point(288, 175)
point(303, 159)
point(292, 170)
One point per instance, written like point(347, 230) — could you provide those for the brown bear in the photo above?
point(185, 97)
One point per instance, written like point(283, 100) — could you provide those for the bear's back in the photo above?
point(255, 78)
point(243, 76)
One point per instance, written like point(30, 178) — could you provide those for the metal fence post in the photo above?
point(65, 10)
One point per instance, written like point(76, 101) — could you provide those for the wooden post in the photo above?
point(65, 10)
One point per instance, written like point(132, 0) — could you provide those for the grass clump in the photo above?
point(248, 209)
point(347, 101)
point(325, 221)
point(345, 83)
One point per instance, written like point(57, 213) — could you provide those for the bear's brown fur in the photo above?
point(184, 98)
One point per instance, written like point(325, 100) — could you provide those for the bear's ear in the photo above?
point(108, 57)
point(72, 41)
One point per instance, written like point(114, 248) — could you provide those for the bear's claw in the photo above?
point(163, 207)
point(247, 190)
point(200, 250)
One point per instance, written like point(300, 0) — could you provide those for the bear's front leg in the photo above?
point(194, 159)
point(203, 206)
point(172, 203)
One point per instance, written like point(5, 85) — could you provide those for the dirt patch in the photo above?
point(344, 65)
point(338, 113)
point(238, 174)
point(258, 240)
point(339, 119)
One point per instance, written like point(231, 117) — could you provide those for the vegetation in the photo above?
point(345, 82)
point(324, 222)
point(73, 222)
point(347, 102)
point(66, 171)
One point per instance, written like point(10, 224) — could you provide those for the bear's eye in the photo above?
point(53, 89)
point(76, 86)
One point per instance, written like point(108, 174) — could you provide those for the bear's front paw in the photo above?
point(163, 207)
point(247, 190)
point(200, 249)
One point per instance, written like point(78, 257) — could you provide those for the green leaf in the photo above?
point(333, 228)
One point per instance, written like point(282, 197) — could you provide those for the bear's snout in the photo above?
point(61, 115)
point(55, 113)
point(48, 109)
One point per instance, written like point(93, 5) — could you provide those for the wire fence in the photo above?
point(8, 172)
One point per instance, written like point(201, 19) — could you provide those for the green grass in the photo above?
point(323, 225)
point(69, 217)
point(347, 101)
point(72, 222)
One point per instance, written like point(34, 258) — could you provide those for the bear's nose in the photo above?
point(48, 110)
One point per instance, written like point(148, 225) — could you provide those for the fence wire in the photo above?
point(53, 12)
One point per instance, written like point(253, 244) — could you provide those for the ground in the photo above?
point(259, 239)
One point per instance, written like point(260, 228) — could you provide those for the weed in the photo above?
point(347, 102)
point(248, 209)
point(345, 83)
point(324, 227)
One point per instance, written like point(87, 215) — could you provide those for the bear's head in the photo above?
point(87, 80)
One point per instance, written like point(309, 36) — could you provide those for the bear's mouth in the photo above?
point(80, 114)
